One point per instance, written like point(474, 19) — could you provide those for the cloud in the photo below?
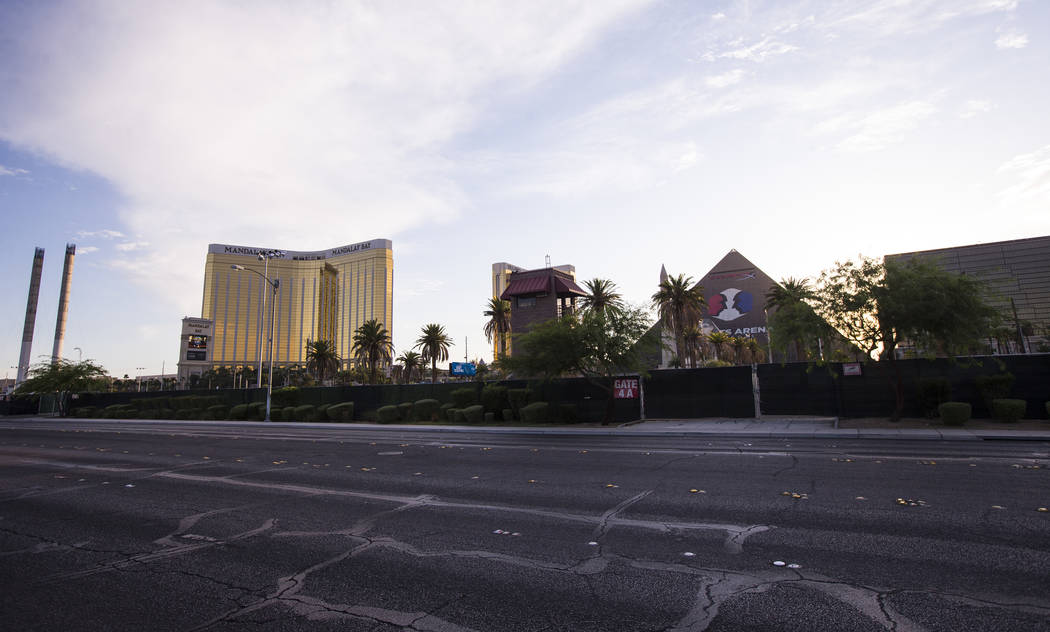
point(883, 127)
point(974, 107)
point(8, 171)
point(725, 79)
point(758, 52)
point(1031, 173)
point(1011, 40)
point(718, 16)
point(105, 233)
point(129, 246)
point(891, 17)
point(293, 125)
point(86, 250)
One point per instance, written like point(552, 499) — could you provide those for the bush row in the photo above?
point(255, 411)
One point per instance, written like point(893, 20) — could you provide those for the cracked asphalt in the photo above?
point(140, 526)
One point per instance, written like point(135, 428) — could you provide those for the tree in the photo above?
point(878, 306)
point(680, 307)
point(739, 346)
point(597, 345)
point(695, 340)
point(372, 344)
point(720, 341)
point(498, 313)
point(601, 296)
point(410, 361)
point(321, 358)
point(434, 343)
point(64, 376)
point(793, 321)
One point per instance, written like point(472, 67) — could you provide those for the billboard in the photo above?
point(462, 369)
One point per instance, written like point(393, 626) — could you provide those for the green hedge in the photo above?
point(240, 411)
point(1008, 410)
point(257, 411)
point(992, 387)
point(474, 414)
point(306, 413)
point(219, 411)
point(285, 397)
point(463, 397)
point(444, 412)
point(387, 414)
point(404, 411)
point(518, 398)
point(287, 413)
point(426, 409)
point(508, 414)
point(494, 398)
point(341, 412)
point(954, 413)
point(536, 412)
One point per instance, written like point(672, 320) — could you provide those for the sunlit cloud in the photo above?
point(886, 127)
point(972, 108)
point(86, 250)
point(1011, 40)
point(1031, 175)
point(12, 171)
point(725, 79)
point(105, 233)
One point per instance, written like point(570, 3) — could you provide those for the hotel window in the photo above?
point(529, 301)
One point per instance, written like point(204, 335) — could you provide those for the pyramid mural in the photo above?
point(735, 290)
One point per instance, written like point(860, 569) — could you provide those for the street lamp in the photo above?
point(274, 284)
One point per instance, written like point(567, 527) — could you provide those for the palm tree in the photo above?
point(739, 345)
point(372, 344)
point(601, 296)
point(410, 361)
point(321, 358)
point(719, 341)
point(679, 306)
point(791, 293)
point(498, 325)
point(694, 344)
point(434, 344)
point(755, 350)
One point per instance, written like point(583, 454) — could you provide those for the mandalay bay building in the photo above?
point(322, 295)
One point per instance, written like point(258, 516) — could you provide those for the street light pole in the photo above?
point(274, 285)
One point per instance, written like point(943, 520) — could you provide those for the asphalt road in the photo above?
point(137, 526)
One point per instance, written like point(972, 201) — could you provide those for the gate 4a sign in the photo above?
point(626, 388)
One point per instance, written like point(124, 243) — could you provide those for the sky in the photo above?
point(616, 136)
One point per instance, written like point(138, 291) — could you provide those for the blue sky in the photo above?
point(615, 136)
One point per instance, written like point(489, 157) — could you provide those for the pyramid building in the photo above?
point(735, 290)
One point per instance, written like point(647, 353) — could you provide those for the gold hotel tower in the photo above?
point(322, 295)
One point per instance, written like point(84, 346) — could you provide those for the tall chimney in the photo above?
point(27, 329)
point(63, 302)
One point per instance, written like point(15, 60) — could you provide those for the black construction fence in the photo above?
point(784, 389)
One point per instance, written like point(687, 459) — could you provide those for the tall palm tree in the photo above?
point(601, 296)
point(680, 306)
point(434, 343)
point(791, 293)
point(739, 345)
point(755, 350)
point(410, 361)
point(498, 313)
point(321, 358)
point(372, 344)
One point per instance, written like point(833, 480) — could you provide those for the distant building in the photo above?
point(1017, 275)
point(195, 346)
point(535, 296)
point(322, 295)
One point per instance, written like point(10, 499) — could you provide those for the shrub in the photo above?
point(474, 414)
point(458, 417)
point(169, 413)
point(404, 411)
point(536, 412)
point(183, 413)
point(425, 409)
point(286, 396)
point(84, 411)
point(196, 413)
point(1048, 409)
point(954, 413)
point(567, 414)
point(306, 412)
point(443, 412)
point(286, 414)
point(257, 411)
point(494, 397)
point(463, 397)
point(387, 414)
point(490, 418)
point(218, 411)
point(518, 398)
point(993, 387)
point(240, 411)
point(508, 414)
point(933, 392)
point(1008, 410)
point(322, 412)
point(341, 412)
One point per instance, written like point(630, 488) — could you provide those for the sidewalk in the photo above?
point(820, 428)
point(769, 427)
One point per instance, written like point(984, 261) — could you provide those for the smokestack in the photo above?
point(27, 329)
point(63, 302)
